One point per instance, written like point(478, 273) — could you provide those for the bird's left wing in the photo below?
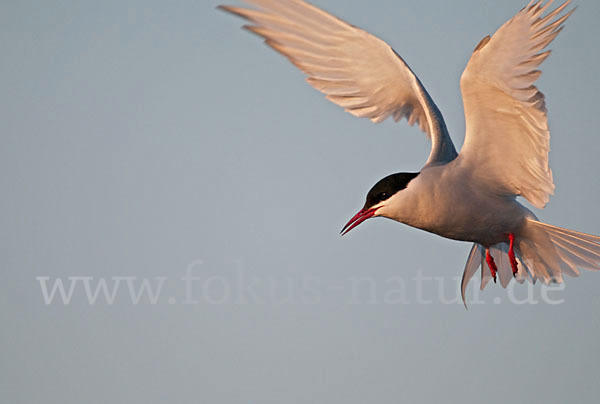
point(507, 139)
point(355, 69)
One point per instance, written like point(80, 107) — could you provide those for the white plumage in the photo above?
point(469, 196)
point(507, 137)
point(354, 69)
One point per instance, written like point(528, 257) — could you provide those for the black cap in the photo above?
point(387, 187)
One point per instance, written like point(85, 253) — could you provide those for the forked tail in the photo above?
point(543, 252)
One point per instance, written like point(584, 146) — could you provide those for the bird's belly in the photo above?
point(463, 216)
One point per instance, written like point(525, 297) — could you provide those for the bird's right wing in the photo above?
point(507, 139)
point(355, 69)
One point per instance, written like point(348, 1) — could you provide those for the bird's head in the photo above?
point(380, 199)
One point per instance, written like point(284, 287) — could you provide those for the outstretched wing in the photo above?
point(355, 69)
point(507, 139)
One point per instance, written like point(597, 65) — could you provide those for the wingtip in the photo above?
point(230, 9)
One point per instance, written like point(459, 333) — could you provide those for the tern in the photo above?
point(471, 196)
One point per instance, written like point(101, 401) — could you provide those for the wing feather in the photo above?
point(508, 139)
point(353, 68)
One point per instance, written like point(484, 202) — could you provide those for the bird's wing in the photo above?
point(507, 138)
point(355, 69)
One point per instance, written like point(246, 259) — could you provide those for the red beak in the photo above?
point(358, 219)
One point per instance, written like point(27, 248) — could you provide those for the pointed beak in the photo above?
point(360, 217)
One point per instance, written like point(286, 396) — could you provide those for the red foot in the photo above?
point(491, 264)
point(511, 255)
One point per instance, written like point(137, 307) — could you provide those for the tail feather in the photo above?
point(573, 253)
point(567, 232)
point(486, 276)
point(570, 262)
point(505, 273)
point(577, 250)
point(542, 251)
point(584, 250)
point(473, 262)
point(533, 251)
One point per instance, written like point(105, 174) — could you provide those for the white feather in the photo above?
point(507, 139)
point(356, 70)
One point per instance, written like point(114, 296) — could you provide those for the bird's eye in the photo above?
point(383, 196)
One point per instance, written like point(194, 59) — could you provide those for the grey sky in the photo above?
point(142, 136)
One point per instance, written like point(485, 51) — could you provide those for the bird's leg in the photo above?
point(491, 264)
point(511, 254)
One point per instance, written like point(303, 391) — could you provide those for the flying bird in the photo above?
point(468, 196)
